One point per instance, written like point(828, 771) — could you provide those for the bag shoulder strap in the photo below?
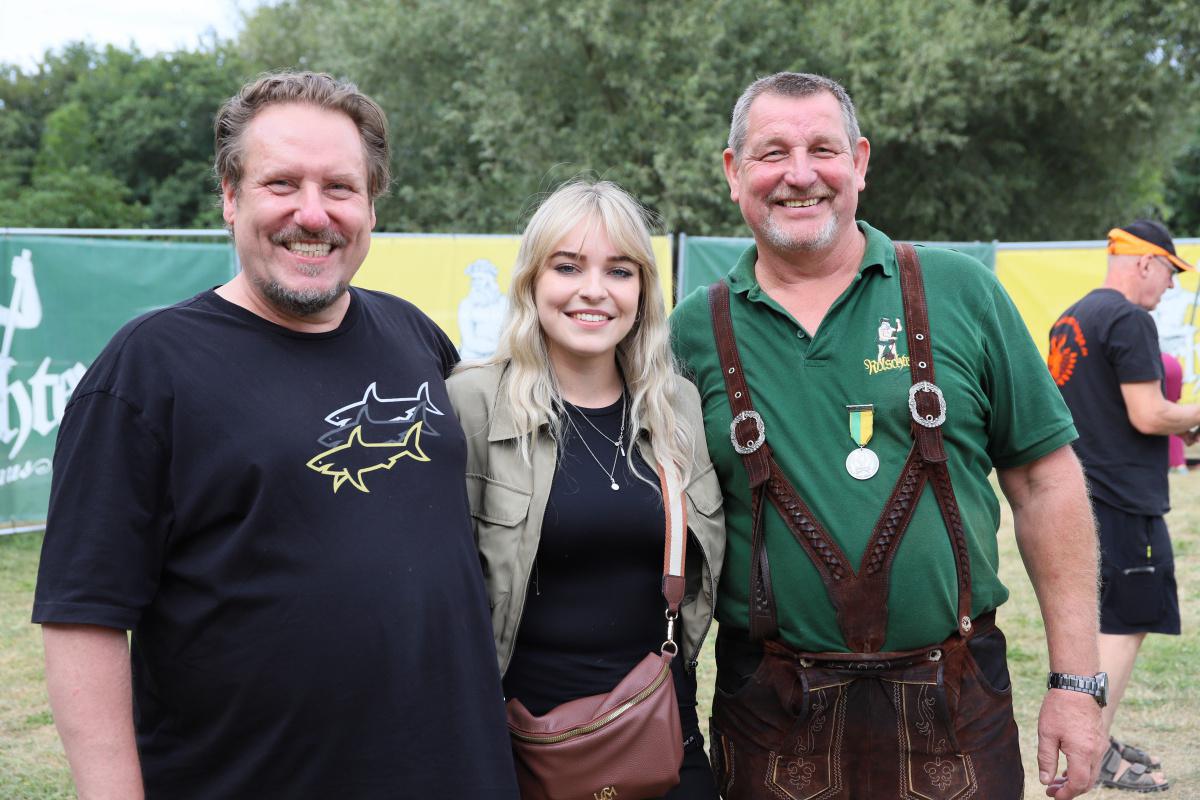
point(674, 581)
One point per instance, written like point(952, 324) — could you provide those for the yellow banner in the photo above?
point(1044, 282)
point(461, 282)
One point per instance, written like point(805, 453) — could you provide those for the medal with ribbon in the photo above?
point(862, 463)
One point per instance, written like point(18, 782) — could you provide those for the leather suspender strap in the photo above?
point(746, 432)
point(927, 406)
point(860, 599)
point(748, 437)
point(925, 401)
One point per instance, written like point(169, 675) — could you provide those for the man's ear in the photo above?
point(731, 165)
point(229, 201)
point(862, 156)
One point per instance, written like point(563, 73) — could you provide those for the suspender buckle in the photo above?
point(752, 445)
point(929, 420)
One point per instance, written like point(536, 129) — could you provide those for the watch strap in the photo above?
point(1094, 685)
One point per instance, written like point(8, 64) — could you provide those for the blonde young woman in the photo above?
point(564, 425)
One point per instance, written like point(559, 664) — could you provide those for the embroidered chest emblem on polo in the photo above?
point(1067, 346)
point(372, 434)
point(887, 339)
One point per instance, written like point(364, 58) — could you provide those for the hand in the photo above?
point(1069, 723)
point(1190, 437)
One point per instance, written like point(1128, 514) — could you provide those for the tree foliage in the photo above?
point(1024, 119)
point(1018, 120)
point(113, 137)
point(1183, 193)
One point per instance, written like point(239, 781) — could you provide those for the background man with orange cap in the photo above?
point(1105, 358)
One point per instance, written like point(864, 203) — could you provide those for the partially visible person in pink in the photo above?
point(1173, 390)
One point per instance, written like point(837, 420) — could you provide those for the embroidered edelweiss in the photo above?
point(800, 772)
point(940, 773)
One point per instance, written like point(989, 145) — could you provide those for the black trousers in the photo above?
point(695, 776)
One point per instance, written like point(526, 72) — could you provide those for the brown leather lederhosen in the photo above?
point(807, 725)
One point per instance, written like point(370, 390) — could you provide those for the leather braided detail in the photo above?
point(895, 517)
point(806, 529)
point(954, 526)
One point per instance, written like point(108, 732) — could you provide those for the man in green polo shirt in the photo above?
point(862, 525)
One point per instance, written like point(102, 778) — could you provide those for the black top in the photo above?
point(1096, 345)
point(280, 519)
point(594, 607)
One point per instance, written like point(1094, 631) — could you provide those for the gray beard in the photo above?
point(300, 304)
point(782, 241)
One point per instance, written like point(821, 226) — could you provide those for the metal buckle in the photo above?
point(749, 447)
point(929, 421)
point(670, 644)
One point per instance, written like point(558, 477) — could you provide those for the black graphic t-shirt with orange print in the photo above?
point(1096, 345)
point(281, 520)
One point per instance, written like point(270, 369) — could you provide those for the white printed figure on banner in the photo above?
point(1175, 317)
point(35, 404)
point(481, 312)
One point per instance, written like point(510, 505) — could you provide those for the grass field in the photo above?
point(1161, 709)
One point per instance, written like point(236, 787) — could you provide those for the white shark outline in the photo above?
point(371, 399)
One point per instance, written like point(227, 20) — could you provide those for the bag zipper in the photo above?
point(600, 722)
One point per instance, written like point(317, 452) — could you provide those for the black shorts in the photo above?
point(1137, 573)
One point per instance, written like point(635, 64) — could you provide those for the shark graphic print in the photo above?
point(372, 435)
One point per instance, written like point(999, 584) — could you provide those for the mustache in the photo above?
point(814, 192)
point(295, 233)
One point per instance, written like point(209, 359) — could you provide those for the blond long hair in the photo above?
point(643, 356)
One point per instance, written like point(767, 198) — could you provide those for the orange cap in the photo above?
point(1124, 242)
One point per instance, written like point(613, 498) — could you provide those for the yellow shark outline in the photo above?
point(343, 474)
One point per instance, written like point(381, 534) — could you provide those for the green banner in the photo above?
point(61, 300)
point(704, 259)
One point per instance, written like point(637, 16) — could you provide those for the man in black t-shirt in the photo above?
point(264, 484)
point(1104, 356)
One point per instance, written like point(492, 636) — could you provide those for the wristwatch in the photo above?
point(1096, 686)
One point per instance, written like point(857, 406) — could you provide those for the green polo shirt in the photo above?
point(1003, 410)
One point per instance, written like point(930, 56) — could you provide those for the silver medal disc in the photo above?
point(862, 463)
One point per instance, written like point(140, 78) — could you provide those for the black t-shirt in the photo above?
point(594, 606)
point(280, 519)
point(1096, 345)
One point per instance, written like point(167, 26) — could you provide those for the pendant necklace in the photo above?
point(618, 445)
point(862, 463)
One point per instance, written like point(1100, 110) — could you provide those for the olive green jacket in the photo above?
point(508, 500)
